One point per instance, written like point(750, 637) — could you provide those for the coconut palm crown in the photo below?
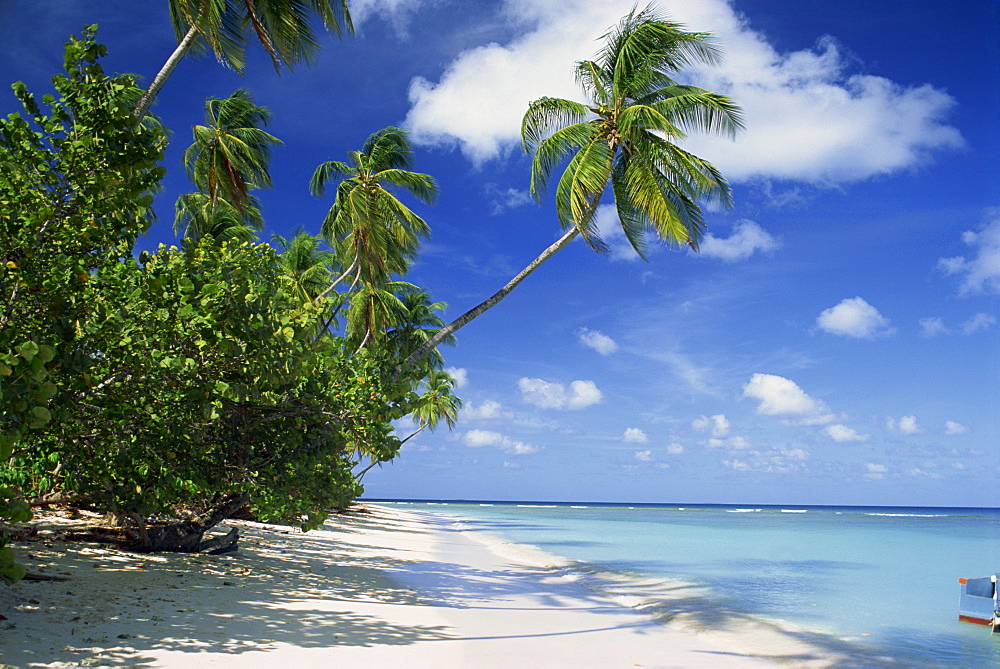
point(625, 134)
point(231, 152)
point(377, 234)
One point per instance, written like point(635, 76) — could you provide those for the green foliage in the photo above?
point(190, 375)
point(210, 383)
point(284, 28)
point(75, 191)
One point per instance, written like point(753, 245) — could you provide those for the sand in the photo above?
point(383, 588)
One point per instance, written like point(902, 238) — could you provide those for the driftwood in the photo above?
point(42, 577)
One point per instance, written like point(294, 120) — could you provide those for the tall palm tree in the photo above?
point(228, 158)
point(283, 28)
point(625, 135)
point(231, 152)
point(367, 223)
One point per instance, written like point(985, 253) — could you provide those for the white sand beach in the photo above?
point(379, 588)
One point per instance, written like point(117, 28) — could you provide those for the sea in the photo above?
point(876, 585)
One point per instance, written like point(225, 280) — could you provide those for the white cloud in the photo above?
point(854, 318)
point(906, 425)
point(779, 396)
point(487, 410)
point(547, 395)
point(953, 428)
point(808, 118)
point(776, 461)
point(718, 425)
point(932, 327)
point(842, 433)
point(509, 198)
point(480, 438)
point(395, 12)
point(735, 443)
point(644, 456)
point(875, 471)
point(747, 238)
point(634, 435)
point(978, 323)
point(675, 449)
point(982, 271)
point(598, 341)
point(460, 374)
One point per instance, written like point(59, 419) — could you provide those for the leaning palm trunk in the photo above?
point(477, 311)
point(161, 77)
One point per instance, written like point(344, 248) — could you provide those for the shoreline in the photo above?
point(385, 587)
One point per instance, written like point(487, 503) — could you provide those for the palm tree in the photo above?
point(624, 135)
point(231, 152)
point(305, 265)
point(372, 309)
point(283, 28)
point(198, 215)
point(417, 323)
point(438, 402)
point(367, 223)
point(228, 158)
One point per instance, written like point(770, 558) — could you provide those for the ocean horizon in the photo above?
point(876, 584)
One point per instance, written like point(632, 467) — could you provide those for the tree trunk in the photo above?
point(473, 313)
point(186, 536)
point(161, 77)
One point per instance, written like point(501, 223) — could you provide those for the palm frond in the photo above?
point(545, 116)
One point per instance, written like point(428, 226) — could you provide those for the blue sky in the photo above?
point(836, 340)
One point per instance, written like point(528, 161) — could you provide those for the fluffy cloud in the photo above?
point(854, 318)
point(953, 428)
point(675, 449)
point(480, 438)
point(487, 410)
point(777, 461)
point(634, 435)
point(842, 433)
point(978, 323)
point(747, 238)
point(509, 198)
point(644, 456)
point(932, 327)
point(875, 471)
point(547, 395)
point(981, 272)
point(808, 118)
point(906, 425)
point(460, 374)
point(598, 341)
point(779, 396)
point(718, 425)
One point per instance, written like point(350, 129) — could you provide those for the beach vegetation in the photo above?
point(77, 178)
point(175, 388)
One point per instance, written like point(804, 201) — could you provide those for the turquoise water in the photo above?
point(873, 583)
